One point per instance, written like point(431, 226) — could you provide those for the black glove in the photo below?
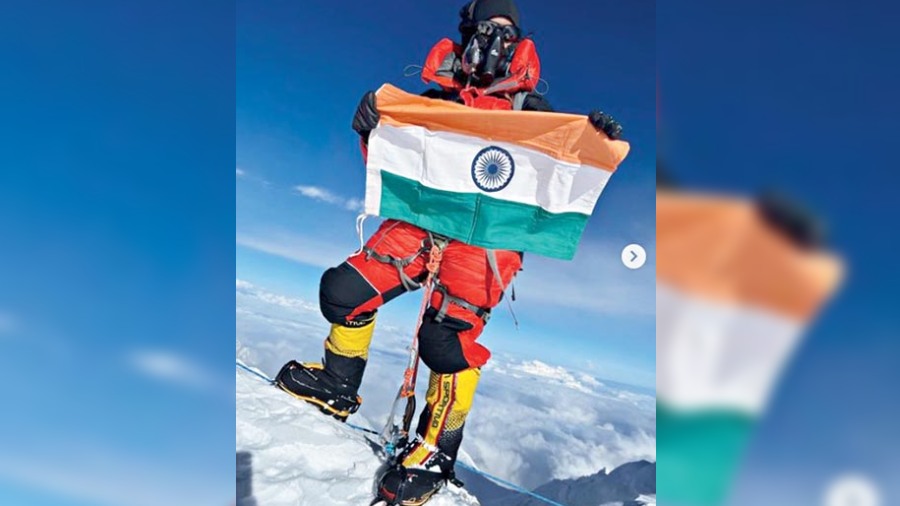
point(366, 117)
point(792, 219)
point(606, 124)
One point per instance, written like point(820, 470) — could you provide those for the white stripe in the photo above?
point(711, 355)
point(373, 188)
point(443, 161)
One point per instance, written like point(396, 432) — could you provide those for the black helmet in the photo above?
point(483, 10)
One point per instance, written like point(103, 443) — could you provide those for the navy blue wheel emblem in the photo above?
point(493, 169)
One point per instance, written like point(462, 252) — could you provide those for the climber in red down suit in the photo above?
point(493, 68)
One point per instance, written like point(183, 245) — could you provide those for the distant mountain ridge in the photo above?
point(630, 484)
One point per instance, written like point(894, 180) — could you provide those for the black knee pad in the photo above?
point(439, 344)
point(341, 291)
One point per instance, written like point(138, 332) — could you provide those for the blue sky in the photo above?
point(800, 96)
point(302, 68)
point(116, 212)
point(115, 216)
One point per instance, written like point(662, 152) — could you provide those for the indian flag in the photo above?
point(733, 299)
point(524, 181)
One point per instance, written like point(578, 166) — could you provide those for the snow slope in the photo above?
point(531, 421)
point(289, 454)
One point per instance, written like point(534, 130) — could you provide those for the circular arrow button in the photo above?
point(634, 256)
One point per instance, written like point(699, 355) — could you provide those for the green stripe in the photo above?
point(481, 220)
point(697, 454)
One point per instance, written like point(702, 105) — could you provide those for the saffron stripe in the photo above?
point(567, 137)
point(699, 237)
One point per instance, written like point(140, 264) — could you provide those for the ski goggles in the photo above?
point(507, 33)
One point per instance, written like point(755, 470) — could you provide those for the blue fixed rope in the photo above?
point(467, 467)
point(509, 485)
point(254, 372)
point(271, 381)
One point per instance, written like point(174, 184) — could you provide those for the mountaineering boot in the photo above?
point(414, 486)
point(313, 383)
point(427, 462)
point(332, 385)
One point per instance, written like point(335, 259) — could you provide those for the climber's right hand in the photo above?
point(366, 117)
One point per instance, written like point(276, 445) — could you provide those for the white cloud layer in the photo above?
point(555, 374)
point(323, 195)
point(247, 288)
point(532, 428)
point(531, 421)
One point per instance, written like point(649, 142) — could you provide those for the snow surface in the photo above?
point(531, 421)
point(644, 500)
point(290, 454)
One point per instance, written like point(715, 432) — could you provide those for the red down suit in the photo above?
point(351, 292)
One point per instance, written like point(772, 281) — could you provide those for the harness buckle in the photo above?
point(447, 299)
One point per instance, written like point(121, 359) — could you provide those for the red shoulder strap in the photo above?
point(445, 48)
point(526, 65)
point(524, 70)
